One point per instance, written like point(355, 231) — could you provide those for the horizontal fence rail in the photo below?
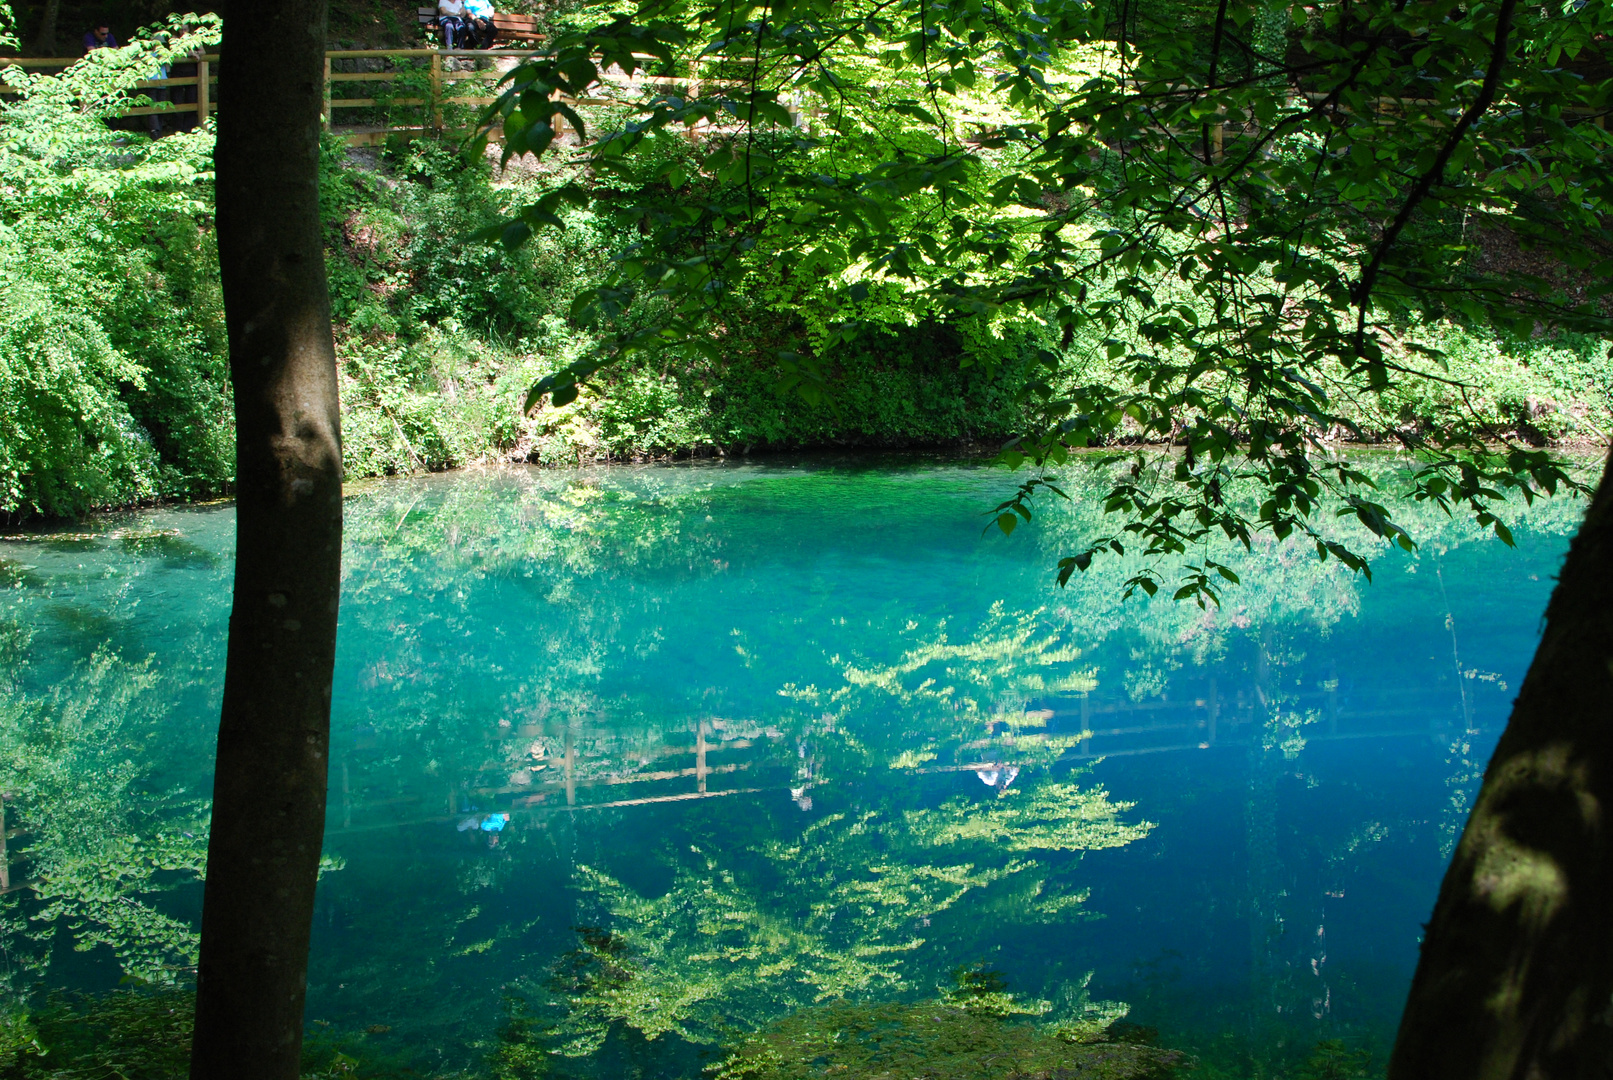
point(203, 81)
point(411, 92)
point(603, 772)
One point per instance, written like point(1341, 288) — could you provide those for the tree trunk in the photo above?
point(269, 786)
point(1516, 974)
point(45, 39)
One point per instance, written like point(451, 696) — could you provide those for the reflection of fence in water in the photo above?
point(1218, 717)
point(572, 777)
point(563, 784)
point(1078, 730)
point(1075, 730)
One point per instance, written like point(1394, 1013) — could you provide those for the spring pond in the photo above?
point(656, 756)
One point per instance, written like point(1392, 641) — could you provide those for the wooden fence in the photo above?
point(412, 92)
point(1210, 717)
point(204, 81)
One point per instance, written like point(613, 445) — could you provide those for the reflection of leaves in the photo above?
point(423, 559)
point(947, 689)
point(1008, 661)
point(1284, 730)
point(836, 912)
point(980, 990)
point(597, 964)
point(1464, 770)
point(97, 841)
point(1051, 817)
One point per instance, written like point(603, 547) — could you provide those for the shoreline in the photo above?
point(1584, 452)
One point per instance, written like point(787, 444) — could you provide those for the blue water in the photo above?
point(772, 735)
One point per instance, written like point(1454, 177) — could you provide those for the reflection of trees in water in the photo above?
point(423, 560)
point(563, 557)
point(566, 555)
point(928, 698)
point(839, 911)
point(961, 699)
point(99, 843)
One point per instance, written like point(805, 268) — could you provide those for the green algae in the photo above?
point(935, 1040)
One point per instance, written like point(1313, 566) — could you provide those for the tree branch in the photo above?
point(1436, 171)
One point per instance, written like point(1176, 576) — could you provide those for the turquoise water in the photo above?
point(662, 754)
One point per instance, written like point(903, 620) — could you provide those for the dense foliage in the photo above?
point(1245, 225)
point(113, 376)
point(114, 387)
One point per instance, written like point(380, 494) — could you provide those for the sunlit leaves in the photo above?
point(1211, 211)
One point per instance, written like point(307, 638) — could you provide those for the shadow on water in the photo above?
point(176, 552)
point(19, 575)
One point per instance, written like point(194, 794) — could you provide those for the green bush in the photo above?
point(71, 442)
point(112, 380)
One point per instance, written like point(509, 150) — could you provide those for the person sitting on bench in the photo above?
point(451, 21)
point(480, 15)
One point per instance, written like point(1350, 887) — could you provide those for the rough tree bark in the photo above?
point(45, 39)
point(274, 732)
point(1516, 974)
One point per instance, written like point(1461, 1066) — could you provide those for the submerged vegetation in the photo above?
point(943, 1040)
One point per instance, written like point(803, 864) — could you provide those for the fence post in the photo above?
point(325, 117)
point(436, 92)
point(694, 95)
point(203, 78)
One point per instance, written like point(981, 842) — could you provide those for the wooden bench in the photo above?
point(507, 27)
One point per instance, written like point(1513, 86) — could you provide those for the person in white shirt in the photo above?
point(451, 20)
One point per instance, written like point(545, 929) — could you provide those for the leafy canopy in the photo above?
point(1237, 208)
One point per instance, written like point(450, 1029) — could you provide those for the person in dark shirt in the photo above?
point(100, 37)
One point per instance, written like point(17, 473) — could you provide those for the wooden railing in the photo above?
point(203, 81)
point(438, 87)
point(436, 92)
